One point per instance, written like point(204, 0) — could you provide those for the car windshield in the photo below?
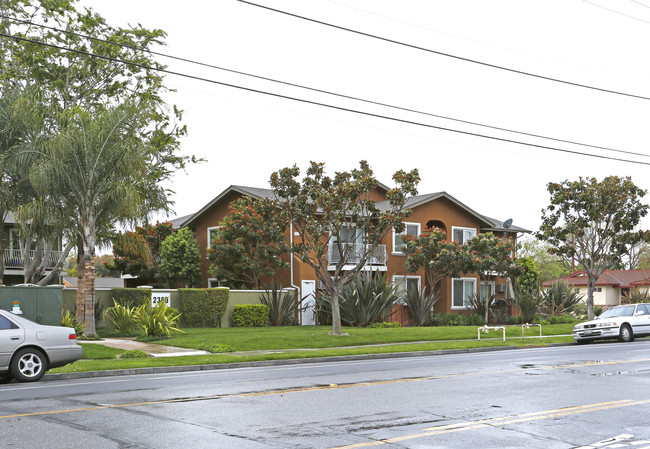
point(618, 311)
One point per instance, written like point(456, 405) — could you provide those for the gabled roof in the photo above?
point(614, 278)
point(253, 192)
point(487, 223)
point(177, 223)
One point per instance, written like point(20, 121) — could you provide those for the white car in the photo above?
point(28, 349)
point(622, 322)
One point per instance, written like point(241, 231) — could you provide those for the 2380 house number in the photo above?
point(157, 298)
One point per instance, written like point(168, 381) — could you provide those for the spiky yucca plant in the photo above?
point(420, 305)
point(560, 298)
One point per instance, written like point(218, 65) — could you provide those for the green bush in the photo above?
point(514, 320)
point(70, 320)
point(216, 348)
point(123, 318)
point(131, 297)
point(528, 302)
point(598, 310)
point(384, 325)
point(562, 319)
point(134, 354)
point(250, 315)
point(159, 321)
point(474, 320)
point(203, 307)
point(448, 319)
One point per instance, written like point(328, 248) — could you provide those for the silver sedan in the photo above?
point(28, 349)
point(622, 322)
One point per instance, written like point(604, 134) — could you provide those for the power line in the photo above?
point(325, 105)
point(618, 12)
point(313, 89)
point(449, 55)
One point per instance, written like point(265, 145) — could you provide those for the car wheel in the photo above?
point(28, 365)
point(626, 334)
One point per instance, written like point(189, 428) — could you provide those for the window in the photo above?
point(462, 290)
point(409, 229)
point(6, 324)
point(463, 235)
point(598, 289)
point(212, 233)
point(489, 287)
point(406, 284)
point(349, 233)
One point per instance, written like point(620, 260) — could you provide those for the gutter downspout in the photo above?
point(291, 268)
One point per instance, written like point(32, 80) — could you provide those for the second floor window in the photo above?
point(463, 235)
point(398, 238)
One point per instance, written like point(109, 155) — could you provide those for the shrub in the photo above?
point(528, 301)
point(124, 319)
point(158, 321)
point(448, 319)
point(598, 310)
point(514, 320)
point(250, 315)
point(69, 319)
point(474, 320)
point(367, 299)
point(477, 306)
point(134, 354)
point(131, 297)
point(203, 307)
point(216, 348)
point(283, 305)
point(420, 305)
point(384, 325)
point(560, 298)
point(562, 319)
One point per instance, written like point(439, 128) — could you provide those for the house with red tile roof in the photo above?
point(611, 287)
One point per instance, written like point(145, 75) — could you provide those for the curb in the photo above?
point(263, 363)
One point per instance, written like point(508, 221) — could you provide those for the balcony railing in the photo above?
point(353, 252)
point(13, 259)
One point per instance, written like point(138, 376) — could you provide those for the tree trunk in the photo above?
point(81, 282)
point(591, 285)
point(336, 313)
point(486, 299)
point(59, 265)
point(89, 299)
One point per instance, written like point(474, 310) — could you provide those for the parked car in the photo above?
point(623, 322)
point(28, 349)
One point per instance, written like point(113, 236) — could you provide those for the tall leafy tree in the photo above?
point(490, 257)
point(138, 252)
point(439, 257)
point(593, 222)
point(180, 259)
point(93, 173)
point(249, 243)
point(549, 265)
point(326, 211)
point(529, 278)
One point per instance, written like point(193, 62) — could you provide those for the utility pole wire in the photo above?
point(325, 105)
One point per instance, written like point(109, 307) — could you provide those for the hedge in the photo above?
point(250, 315)
point(131, 297)
point(203, 307)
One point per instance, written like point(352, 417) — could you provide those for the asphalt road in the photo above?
point(564, 397)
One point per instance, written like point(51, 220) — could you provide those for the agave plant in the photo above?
point(283, 305)
point(560, 298)
point(528, 300)
point(159, 321)
point(124, 319)
point(367, 299)
point(636, 295)
point(477, 306)
point(420, 305)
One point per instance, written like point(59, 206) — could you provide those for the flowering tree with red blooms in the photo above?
point(250, 242)
point(439, 257)
point(490, 257)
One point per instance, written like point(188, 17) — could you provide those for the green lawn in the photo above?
point(292, 337)
point(104, 364)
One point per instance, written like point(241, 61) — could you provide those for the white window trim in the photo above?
point(395, 251)
point(453, 307)
point(453, 228)
point(398, 278)
point(211, 228)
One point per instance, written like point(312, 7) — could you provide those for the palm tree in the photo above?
point(94, 174)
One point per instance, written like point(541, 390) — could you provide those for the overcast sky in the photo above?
point(246, 136)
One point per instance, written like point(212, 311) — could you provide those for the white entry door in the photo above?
point(308, 303)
